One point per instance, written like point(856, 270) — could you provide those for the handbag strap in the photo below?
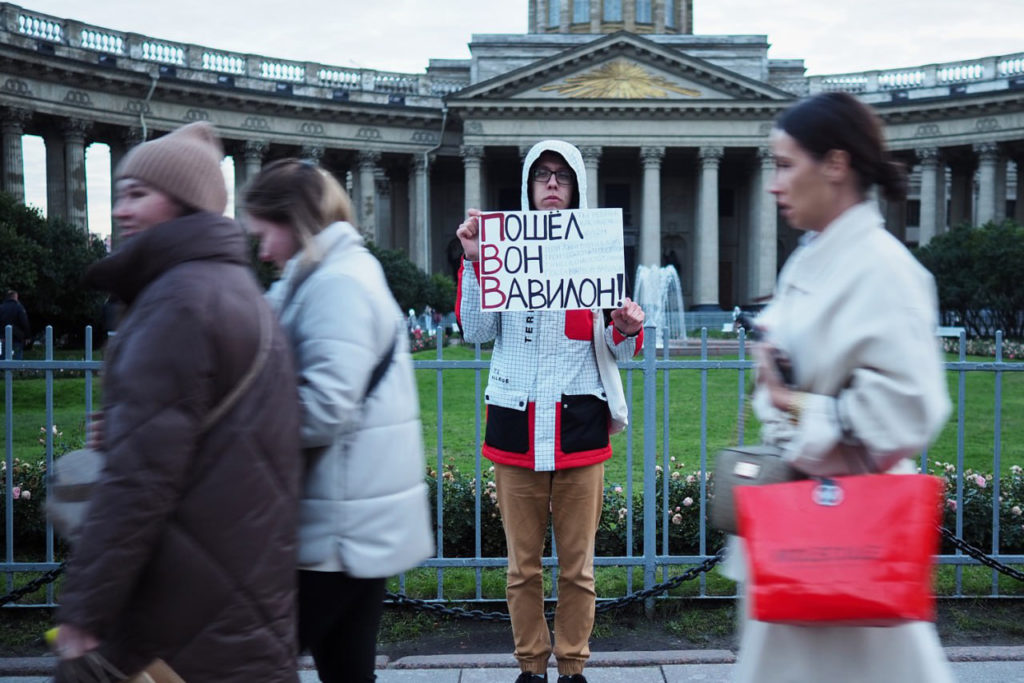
point(381, 368)
point(260, 360)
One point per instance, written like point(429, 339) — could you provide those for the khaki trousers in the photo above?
point(573, 498)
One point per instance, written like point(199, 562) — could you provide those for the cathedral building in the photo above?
point(673, 128)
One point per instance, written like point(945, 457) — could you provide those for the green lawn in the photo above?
point(684, 414)
point(722, 389)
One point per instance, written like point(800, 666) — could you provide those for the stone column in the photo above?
point(564, 18)
point(705, 266)
point(1018, 211)
point(247, 166)
point(763, 257)
point(595, 16)
point(961, 191)
point(129, 137)
point(1000, 187)
point(366, 210)
point(56, 193)
point(419, 225)
point(591, 160)
point(472, 158)
point(313, 153)
point(988, 155)
point(13, 128)
point(650, 220)
point(933, 190)
point(77, 211)
point(252, 158)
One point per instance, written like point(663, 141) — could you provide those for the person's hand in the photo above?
point(94, 433)
point(73, 642)
point(629, 319)
point(769, 376)
point(468, 234)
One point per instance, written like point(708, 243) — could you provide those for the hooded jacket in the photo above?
point(364, 504)
point(188, 550)
point(547, 408)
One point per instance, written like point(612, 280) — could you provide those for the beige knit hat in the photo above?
point(185, 164)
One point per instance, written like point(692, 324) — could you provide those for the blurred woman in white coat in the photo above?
point(364, 514)
point(855, 316)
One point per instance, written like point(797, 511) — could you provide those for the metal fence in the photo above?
point(648, 453)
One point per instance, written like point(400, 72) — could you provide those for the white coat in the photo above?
point(364, 506)
point(856, 314)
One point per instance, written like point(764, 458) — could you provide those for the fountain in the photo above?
point(659, 293)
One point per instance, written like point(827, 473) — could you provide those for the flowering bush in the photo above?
point(29, 493)
point(1012, 350)
point(978, 507)
point(419, 341)
point(458, 496)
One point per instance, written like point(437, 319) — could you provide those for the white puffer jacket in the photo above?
point(364, 507)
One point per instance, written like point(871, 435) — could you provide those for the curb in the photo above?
point(45, 665)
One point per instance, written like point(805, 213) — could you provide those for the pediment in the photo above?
point(622, 66)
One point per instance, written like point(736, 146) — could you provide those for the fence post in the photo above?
point(650, 460)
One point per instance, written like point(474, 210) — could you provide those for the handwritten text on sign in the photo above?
point(534, 260)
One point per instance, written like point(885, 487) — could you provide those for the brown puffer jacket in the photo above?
point(189, 550)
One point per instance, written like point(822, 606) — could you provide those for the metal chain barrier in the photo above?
point(979, 555)
point(603, 606)
point(33, 585)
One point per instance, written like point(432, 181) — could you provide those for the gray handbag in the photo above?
point(752, 465)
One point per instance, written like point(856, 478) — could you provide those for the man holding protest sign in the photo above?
point(553, 394)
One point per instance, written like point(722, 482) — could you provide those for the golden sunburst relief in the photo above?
point(619, 79)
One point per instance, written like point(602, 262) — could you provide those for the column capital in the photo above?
point(986, 151)
point(928, 156)
point(766, 156)
point(711, 156)
point(254, 150)
point(75, 129)
point(15, 118)
point(591, 154)
point(471, 153)
point(421, 164)
point(652, 156)
point(131, 136)
point(523, 151)
point(315, 153)
point(368, 159)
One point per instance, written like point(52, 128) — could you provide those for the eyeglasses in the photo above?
point(563, 176)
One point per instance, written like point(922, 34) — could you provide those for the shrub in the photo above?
point(978, 278)
point(978, 489)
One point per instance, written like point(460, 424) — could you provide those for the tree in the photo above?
point(410, 286)
point(977, 271)
point(44, 262)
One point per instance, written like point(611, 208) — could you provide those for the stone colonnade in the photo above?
point(704, 257)
point(371, 171)
point(966, 185)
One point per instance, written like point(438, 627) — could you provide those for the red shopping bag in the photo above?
point(854, 550)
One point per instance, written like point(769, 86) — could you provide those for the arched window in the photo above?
point(581, 11)
point(643, 12)
point(554, 10)
point(613, 10)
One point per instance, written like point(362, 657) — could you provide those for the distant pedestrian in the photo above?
point(13, 313)
point(365, 514)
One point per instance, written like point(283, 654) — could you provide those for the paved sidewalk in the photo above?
point(971, 664)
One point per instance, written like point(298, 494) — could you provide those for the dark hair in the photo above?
point(838, 120)
point(574, 200)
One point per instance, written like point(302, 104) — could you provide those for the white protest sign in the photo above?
point(557, 260)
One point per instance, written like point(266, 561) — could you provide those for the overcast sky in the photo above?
point(832, 36)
